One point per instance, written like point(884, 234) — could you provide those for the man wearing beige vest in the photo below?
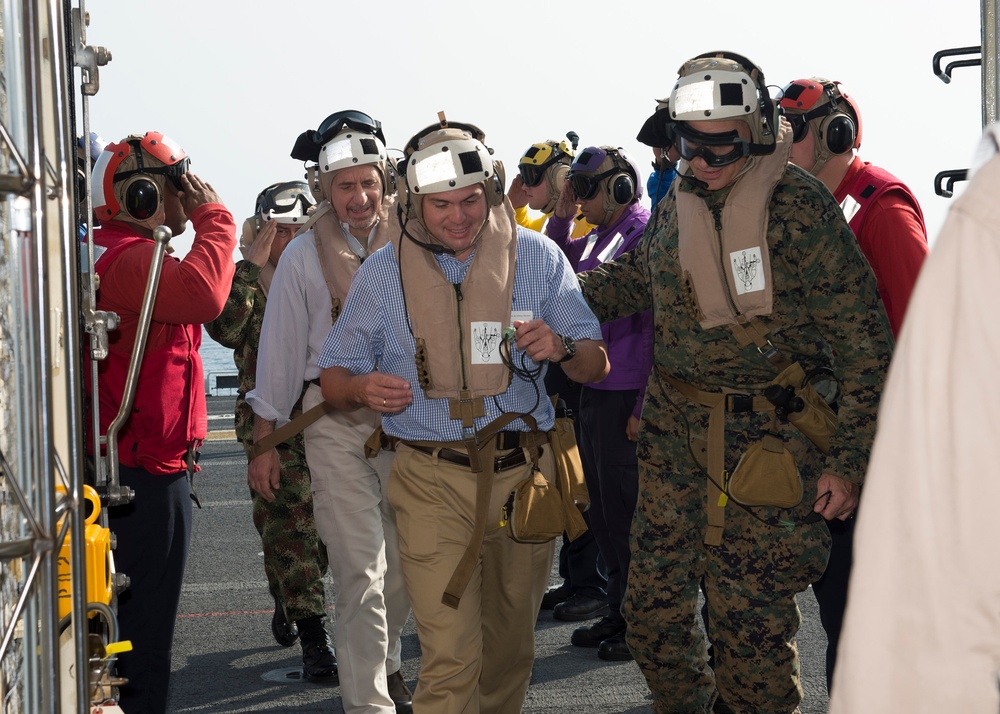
point(448, 337)
point(755, 281)
point(352, 515)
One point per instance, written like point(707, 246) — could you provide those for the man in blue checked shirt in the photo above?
point(448, 337)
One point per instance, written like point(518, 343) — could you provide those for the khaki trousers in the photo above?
point(357, 525)
point(476, 659)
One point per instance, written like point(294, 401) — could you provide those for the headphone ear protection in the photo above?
point(837, 130)
point(312, 178)
point(621, 185)
point(142, 197)
point(495, 184)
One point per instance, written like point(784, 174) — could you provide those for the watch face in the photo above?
point(569, 344)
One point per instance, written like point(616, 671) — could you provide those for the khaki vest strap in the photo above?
point(716, 403)
point(298, 423)
point(480, 449)
point(467, 408)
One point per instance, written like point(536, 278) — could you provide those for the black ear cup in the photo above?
point(839, 132)
point(622, 189)
point(495, 186)
point(142, 198)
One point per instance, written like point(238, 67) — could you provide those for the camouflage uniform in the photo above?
point(826, 313)
point(295, 558)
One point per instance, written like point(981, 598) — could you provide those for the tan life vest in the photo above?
point(337, 259)
point(458, 340)
point(731, 268)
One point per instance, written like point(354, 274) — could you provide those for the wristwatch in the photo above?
point(569, 344)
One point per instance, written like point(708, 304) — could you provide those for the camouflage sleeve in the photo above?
point(620, 288)
point(842, 300)
point(229, 328)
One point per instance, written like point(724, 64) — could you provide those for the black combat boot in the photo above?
point(285, 632)
point(319, 663)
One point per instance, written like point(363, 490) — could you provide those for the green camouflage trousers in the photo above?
point(295, 559)
point(749, 581)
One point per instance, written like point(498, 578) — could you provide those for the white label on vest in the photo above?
point(520, 316)
point(486, 343)
point(748, 273)
point(850, 207)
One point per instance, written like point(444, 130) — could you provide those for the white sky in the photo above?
point(235, 83)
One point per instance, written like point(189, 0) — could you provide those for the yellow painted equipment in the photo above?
point(97, 549)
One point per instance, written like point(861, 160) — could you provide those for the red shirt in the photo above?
point(168, 415)
point(891, 234)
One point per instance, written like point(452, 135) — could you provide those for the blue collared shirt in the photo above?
point(373, 330)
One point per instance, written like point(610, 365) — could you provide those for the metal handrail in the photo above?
point(115, 492)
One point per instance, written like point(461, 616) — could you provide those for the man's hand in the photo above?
point(539, 341)
point(195, 192)
point(264, 474)
point(382, 392)
point(518, 198)
point(566, 206)
point(259, 251)
point(841, 502)
point(632, 428)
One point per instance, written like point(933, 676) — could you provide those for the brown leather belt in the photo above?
point(500, 463)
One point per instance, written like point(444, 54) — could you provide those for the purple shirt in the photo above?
point(629, 339)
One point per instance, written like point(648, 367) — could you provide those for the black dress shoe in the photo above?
point(579, 608)
point(285, 632)
point(400, 693)
point(603, 629)
point(614, 649)
point(554, 596)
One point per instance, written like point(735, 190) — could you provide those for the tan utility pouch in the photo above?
point(534, 512)
point(817, 421)
point(766, 476)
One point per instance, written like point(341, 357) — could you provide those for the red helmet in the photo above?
point(129, 175)
point(826, 103)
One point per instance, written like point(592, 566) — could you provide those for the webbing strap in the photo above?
point(716, 403)
point(480, 449)
point(751, 330)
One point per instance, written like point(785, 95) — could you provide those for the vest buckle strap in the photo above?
point(736, 403)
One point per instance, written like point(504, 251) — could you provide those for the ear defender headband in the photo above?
point(724, 85)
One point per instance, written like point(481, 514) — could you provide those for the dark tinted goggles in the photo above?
point(531, 175)
point(715, 149)
point(350, 119)
point(800, 126)
point(800, 122)
point(585, 186)
point(172, 172)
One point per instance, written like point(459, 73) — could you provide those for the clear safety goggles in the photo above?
point(715, 149)
point(286, 203)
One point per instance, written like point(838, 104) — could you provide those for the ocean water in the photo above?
point(218, 362)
